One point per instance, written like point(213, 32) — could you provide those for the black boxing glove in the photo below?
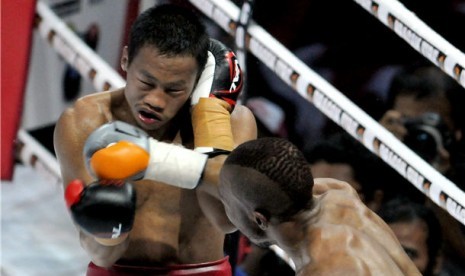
point(214, 98)
point(103, 211)
point(221, 77)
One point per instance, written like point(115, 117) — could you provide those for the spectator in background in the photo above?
point(425, 110)
point(418, 230)
point(423, 103)
point(340, 156)
point(331, 158)
point(72, 77)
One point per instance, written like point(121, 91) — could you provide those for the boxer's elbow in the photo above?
point(229, 228)
point(213, 210)
point(101, 255)
point(102, 262)
point(224, 224)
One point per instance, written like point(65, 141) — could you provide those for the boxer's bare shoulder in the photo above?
point(342, 250)
point(74, 126)
point(91, 111)
point(344, 219)
point(86, 110)
point(323, 185)
point(97, 104)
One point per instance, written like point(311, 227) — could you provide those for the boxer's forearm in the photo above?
point(211, 174)
point(209, 199)
point(102, 255)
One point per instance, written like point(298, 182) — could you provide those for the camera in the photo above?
point(426, 134)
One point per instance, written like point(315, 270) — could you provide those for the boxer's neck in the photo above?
point(293, 234)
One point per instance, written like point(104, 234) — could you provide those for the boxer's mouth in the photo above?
point(148, 117)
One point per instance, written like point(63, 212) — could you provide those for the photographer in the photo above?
point(426, 112)
point(430, 137)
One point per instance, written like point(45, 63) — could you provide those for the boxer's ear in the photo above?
point(124, 59)
point(261, 220)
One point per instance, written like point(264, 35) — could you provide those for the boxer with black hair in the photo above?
point(144, 201)
point(269, 194)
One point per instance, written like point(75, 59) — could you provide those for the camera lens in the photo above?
point(422, 142)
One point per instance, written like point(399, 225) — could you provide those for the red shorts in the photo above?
point(216, 268)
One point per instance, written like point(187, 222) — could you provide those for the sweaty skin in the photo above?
point(336, 235)
point(345, 237)
point(172, 225)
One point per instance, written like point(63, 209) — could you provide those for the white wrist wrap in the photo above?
point(204, 150)
point(175, 165)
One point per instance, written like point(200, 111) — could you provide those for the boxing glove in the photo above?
point(214, 98)
point(103, 211)
point(221, 77)
point(119, 151)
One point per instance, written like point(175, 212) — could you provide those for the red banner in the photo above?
point(17, 26)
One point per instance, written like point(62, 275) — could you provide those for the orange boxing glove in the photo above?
point(121, 160)
point(120, 151)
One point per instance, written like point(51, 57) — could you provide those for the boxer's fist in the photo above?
point(213, 99)
point(117, 150)
point(103, 211)
point(221, 78)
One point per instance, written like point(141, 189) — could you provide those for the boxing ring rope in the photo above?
point(420, 36)
point(245, 15)
point(75, 51)
point(289, 68)
point(86, 61)
point(33, 154)
point(341, 110)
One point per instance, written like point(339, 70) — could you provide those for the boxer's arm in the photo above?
point(69, 137)
point(121, 151)
point(104, 256)
point(213, 100)
point(218, 126)
point(244, 128)
point(70, 134)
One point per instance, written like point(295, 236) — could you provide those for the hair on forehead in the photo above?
point(172, 30)
point(282, 162)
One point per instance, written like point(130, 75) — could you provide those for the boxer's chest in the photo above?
point(167, 223)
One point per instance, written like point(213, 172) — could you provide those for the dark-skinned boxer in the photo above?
point(269, 193)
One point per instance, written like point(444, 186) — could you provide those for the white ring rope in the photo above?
point(33, 154)
point(340, 109)
point(86, 61)
point(294, 72)
point(75, 51)
point(241, 41)
point(420, 36)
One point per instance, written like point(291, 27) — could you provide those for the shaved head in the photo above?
point(270, 175)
